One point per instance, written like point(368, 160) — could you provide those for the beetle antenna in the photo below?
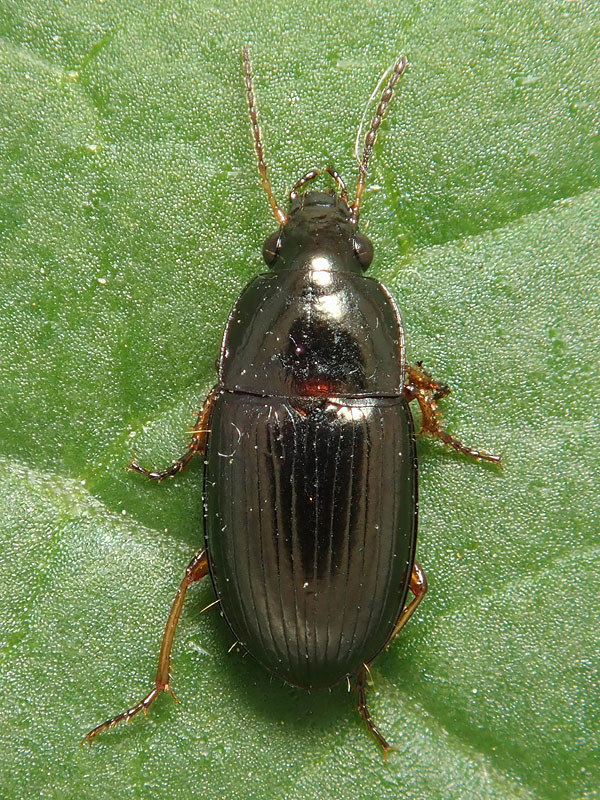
point(280, 215)
point(371, 137)
point(371, 99)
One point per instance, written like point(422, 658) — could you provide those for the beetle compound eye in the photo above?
point(271, 247)
point(363, 250)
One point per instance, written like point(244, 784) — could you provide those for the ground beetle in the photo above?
point(310, 480)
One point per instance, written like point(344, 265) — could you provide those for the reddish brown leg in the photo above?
point(420, 386)
point(361, 685)
point(418, 586)
point(197, 445)
point(197, 568)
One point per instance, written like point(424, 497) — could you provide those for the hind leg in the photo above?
point(197, 568)
point(361, 685)
point(418, 586)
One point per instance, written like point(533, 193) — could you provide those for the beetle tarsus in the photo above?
point(196, 447)
point(175, 467)
point(128, 715)
point(363, 710)
point(420, 386)
point(196, 569)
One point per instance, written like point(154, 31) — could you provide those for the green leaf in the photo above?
point(131, 216)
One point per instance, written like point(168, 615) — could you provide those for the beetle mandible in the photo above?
point(310, 479)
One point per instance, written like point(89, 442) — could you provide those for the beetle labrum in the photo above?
point(310, 480)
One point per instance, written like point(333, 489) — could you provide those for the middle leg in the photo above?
point(418, 586)
point(420, 386)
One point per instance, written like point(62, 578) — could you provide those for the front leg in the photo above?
point(197, 446)
point(420, 386)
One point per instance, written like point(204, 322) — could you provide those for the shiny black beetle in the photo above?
point(310, 487)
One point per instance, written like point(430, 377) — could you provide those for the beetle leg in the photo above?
point(361, 685)
point(418, 586)
point(426, 391)
point(197, 568)
point(196, 446)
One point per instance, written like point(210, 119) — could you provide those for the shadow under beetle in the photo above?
point(310, 480)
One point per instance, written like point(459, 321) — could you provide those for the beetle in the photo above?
point(310, 478)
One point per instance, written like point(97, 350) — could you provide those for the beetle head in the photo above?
point(319, 226)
